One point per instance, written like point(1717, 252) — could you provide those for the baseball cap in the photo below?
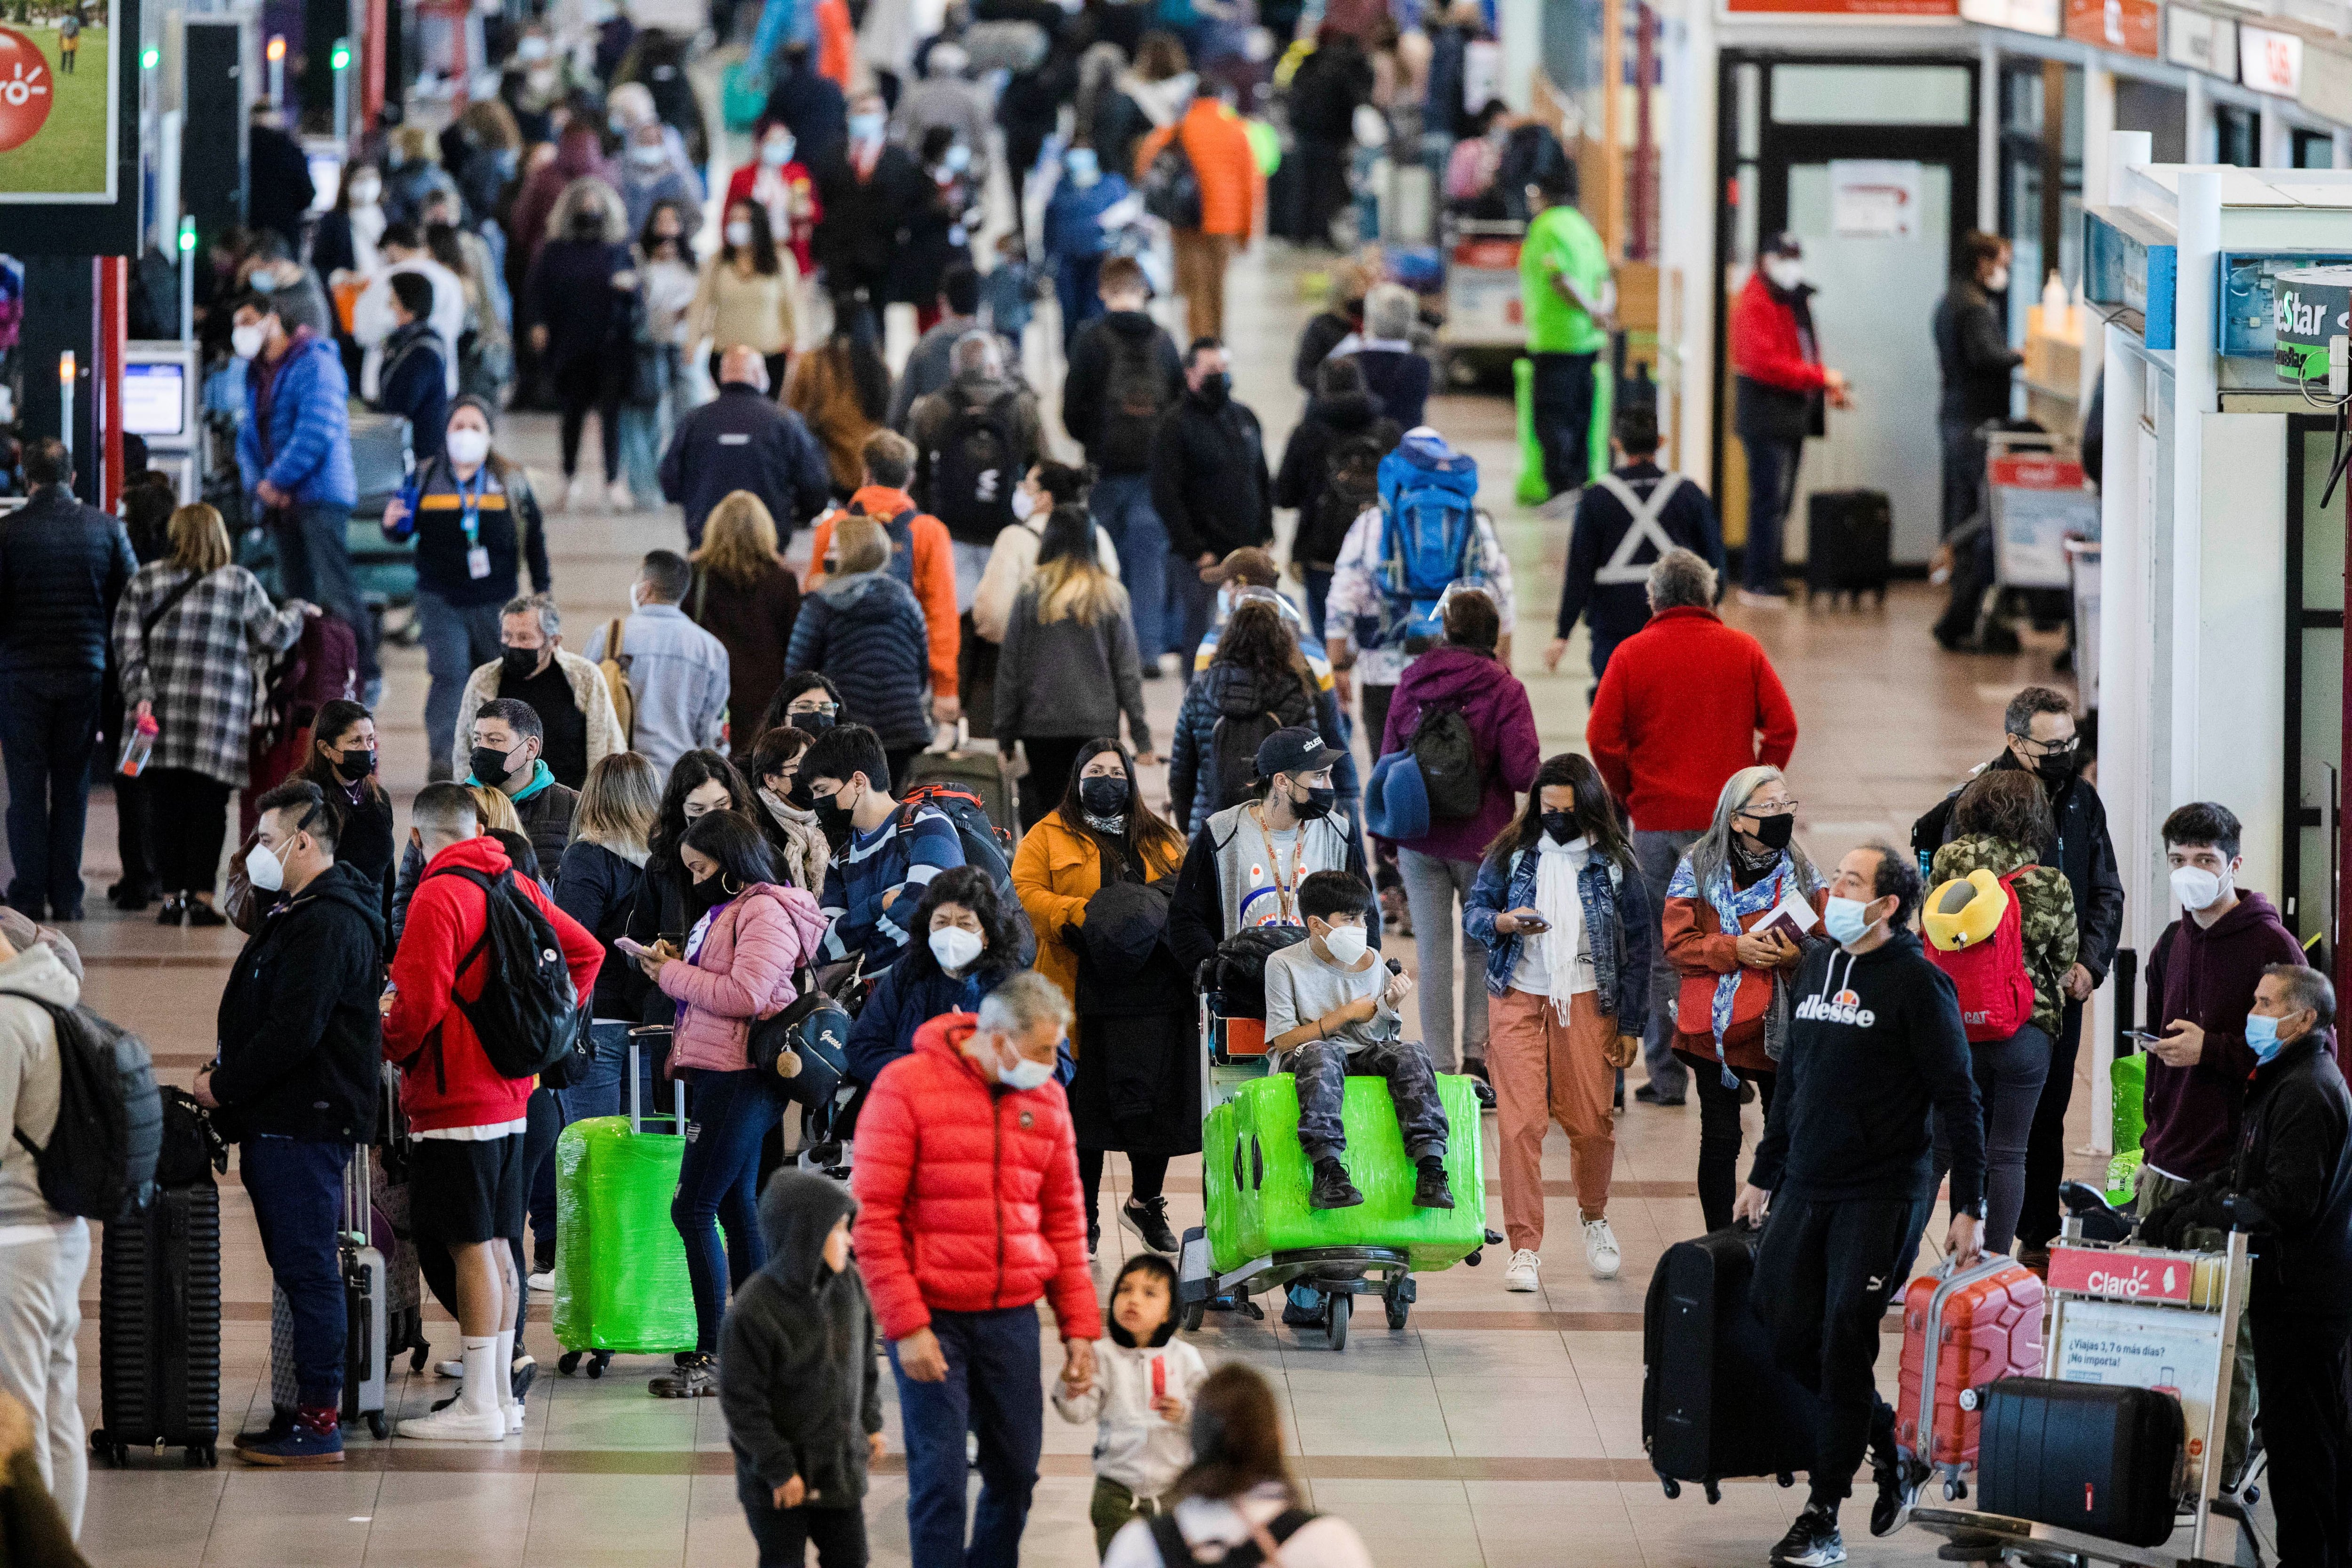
point(1296, 749)
point(1251, 565)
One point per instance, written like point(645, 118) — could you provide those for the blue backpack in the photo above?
point(1429, 542)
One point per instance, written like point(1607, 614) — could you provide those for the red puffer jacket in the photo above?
point(968, 1194)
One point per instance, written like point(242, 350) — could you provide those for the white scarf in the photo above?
point(1557, 900)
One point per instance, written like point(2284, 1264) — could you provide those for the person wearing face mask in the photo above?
point(945, 99)
point(1086, 203)
point(296, 1076)
point(747, 294)
point(969, 1212)
point(777, 179)
point(1782, 386)
point(1331, 1006)
point(886, 855)
point(2039, 738)
point(1046, 485)
point(1210, 482)
point(747, 938)
point(807, 701)
point(532, 84)
point(799, 845)
point(508, 741)
point(1974, 364)
point(580, 300)
point(968, 949)
point(648, 176)
point(701, 782)
point(870, 193)
point(1564, 916)
point(568, 693)
point(342, 763)
point(2289, 1181)
point(1730, 956)
point(670, 283)
point(744, 441)
point(1875, 1052)
point(579, 155)
point(343, 248)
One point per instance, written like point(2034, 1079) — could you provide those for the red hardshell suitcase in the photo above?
point(1962, 1330)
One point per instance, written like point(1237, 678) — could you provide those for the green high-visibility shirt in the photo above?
point(1562, 241)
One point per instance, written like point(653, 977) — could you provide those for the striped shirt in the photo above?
point(870, 865)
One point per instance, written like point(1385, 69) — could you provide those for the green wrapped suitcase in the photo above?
point(621, 1282)
point(1256, 1177)
point(2128, 1075)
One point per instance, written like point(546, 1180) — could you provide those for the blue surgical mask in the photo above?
point(866, 128)
point(1084, 167)
point(959, 157)
point(2262, 1030)
point(1845, 920)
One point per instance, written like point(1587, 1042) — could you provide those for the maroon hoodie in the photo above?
point(1502, 726)
point(2207, 976)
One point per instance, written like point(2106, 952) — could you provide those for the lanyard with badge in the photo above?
point(469, 517)
point(1285, 891)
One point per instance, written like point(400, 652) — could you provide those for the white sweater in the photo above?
point(29, 1081)
point(1134, 1445)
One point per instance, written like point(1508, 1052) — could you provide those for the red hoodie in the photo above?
point(445, 1079)
point(967, 1193)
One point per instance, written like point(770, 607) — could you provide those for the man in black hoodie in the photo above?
point(2291, 1185)
point(1876, 1048)
point(298, 1077)
point(1208, 483)
point(799, 1381)
point(1124, 375)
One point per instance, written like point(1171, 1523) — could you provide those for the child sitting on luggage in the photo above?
point(1141, 1395)
point(1332, 1005)
point(798, 1380)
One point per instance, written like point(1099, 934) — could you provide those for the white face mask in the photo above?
point(1347, 943)
point(955, 947)
point(739, 233)
point(777, 153)
point(2196, 887)
point(247, 343)
point(1785, 271)
point(264, 869)
point(468, 448)
point(1022, 505)
point(365, 192)
point(1997, 281)
point(648, 154)
point(532, 48)
point(1023, 1073)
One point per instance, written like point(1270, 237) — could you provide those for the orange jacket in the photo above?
point(934, 566)
point(837, 43)
point(1222, 159)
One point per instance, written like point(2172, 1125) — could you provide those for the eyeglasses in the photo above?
point(803, 704)
point(1769, 808)
point(2033, 748)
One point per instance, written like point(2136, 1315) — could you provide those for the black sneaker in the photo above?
point(694, 1377)
point(1094, 1237)
point(1332, 1189)
point(1429, 1188)
point(1812, 1542)
point(1148, 1217)
point(1898, 1492)
point(281, 1422)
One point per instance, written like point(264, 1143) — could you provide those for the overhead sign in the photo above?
point(2126, 27)
point(2270, 61)
point(1874, 198)
point(2043, 18)
point(2201, 42)
point(68, 152)
point(1879, 10)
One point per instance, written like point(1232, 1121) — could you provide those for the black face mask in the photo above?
point(832, 815)
point(1560, 826)
point(1215, 389)
point(490, 763)
point(814, 723)
point(2055, 767)
point(1316, 802)
point(355, 766)
point(1103, 796)
point(518, 663)
point(706, 895)
point(797, 793)
point(1775, 832)
point(588, 226)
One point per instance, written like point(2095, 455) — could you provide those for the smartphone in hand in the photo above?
point(633, 947)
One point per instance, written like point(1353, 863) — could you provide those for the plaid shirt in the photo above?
point(197, 665)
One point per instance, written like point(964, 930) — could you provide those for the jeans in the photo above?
point(719, 1180)
point(1122, 505)
point(2307, 1430)
point(1964, 452)
point(1435, 889)
point(297, 1188)
point(1323, 1069)
point(2045, 1147)
point(1718, 1141)
point(1657, 854)
point(599, 1094)
point(2009, 1074)
point(314, 563)
point(1562, 398)
point(458, 640)
point(48, 730)
point(1824, 1274)
point(1193, 604)
point(40, 1312)
point(1073, 286)
point(1771, 490)
point(1319, 590)
point(993, 1390)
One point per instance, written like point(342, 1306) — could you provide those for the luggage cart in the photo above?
point(1483, 312)
point(2148, 1318)
point(2035, 503)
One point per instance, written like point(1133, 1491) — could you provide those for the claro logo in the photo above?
point(2134, 1283)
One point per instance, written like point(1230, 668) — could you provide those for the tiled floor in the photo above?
point(1497, 1429)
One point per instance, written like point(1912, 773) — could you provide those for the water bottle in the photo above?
point(138, 745)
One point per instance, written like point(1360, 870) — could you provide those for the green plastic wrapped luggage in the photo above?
point(1255, 1177)
point(620, 1269)
point(2127, 1076)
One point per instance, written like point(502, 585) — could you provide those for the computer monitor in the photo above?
point(158, 393)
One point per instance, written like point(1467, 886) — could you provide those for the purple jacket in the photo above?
point(2207, 976)
point(1502, 725)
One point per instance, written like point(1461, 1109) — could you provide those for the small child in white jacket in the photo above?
point(1142, 1395)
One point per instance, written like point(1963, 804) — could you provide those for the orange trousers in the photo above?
point(1545, 1070)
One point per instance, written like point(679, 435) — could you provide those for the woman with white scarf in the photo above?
point(1566, 919)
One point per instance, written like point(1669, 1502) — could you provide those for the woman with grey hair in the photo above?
point(1394, 369)
point(1737, 912)
point(579, 302)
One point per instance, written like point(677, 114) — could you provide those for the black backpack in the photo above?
point(986, 847)
point(525, 1017)
point(1448, 755)
point(1175, 1553)
point(1172, 187)
point(1135, 394)
point(975, 472)
point(1238, 971)
point(1233, 755)
point(100, 1163)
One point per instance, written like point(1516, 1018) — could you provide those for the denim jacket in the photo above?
point(1617, 915)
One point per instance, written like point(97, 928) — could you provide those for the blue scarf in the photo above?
point(1731, 904)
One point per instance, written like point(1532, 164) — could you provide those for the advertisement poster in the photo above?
point(1877, 10)
point(2147, 1347)
point(59, 105)
point(2126, 26)
point(2043, 18)
point(1873, 198)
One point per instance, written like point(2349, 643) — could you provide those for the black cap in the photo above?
point(1297, 749)
point(1781, 244)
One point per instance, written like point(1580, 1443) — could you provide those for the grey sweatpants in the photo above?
point(1435, 890)
point(41, 1270)
point(1657, 854)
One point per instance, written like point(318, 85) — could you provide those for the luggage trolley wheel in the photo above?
point(1398, 1306)
point(201, 1457)
point(1188, 1318)
point(1339, 1307)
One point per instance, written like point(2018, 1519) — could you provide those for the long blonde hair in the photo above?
point(199, 540)
point(619, 802)
point(496, 812)
point(859, 544)
point(739, 540)
point(1070, 579)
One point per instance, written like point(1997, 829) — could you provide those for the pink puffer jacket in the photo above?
point(743, 971)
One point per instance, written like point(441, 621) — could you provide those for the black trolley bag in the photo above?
point(1849, 543)
point(1715, 1403)
point(2101, 1458)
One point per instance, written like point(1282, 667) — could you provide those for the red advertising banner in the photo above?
point(2036, 474)
point(2133, 1276)
point(2127, 26)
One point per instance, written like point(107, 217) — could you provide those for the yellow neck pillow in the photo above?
point(1964, 911)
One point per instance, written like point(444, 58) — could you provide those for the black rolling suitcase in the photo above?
point(2090, 1457)
point(1714, 1404)
point(1849, 543)
point(158, 1317)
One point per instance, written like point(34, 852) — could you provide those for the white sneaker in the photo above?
point(543, 1280)
point(450, 1368)
point(559, 494)
point(1519, 1273)
point(456, 1425)
point(1600, 1252)
point(1755, 601)
point(514, 1419)
point(617, 496)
